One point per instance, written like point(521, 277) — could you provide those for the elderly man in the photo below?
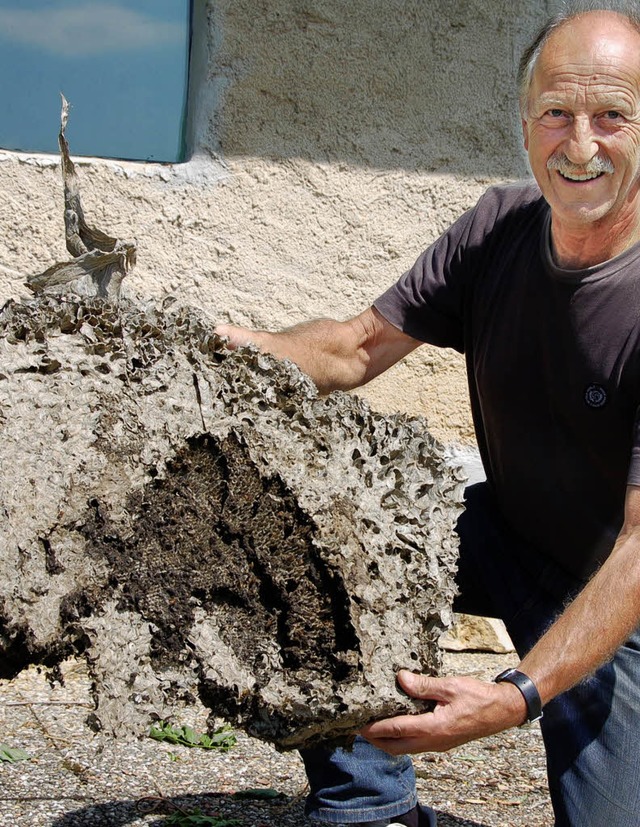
point(539, 286)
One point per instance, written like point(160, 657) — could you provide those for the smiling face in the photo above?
point(582, 125)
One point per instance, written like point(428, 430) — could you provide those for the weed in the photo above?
point(222, 739)
point(10, 755)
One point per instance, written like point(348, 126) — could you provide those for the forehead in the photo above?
point(599, 52)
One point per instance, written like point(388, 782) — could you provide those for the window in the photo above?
point(123, 67)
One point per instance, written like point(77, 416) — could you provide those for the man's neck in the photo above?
point(576, 248)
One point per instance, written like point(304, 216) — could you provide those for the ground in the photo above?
point(76, 778)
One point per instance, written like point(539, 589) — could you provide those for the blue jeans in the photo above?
point(591, 733)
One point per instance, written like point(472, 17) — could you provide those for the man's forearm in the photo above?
point(326, 350)
point(336, 355)
point(321, 348)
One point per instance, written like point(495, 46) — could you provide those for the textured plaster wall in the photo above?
point(330, 143)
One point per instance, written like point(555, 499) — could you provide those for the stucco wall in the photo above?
point(330, 143)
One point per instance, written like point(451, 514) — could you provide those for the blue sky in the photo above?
point(123, 67)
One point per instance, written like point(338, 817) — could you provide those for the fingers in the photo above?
point(404, 735)
point(236, 336)
point(407, 746)
point(422, 686)
point(404, 726)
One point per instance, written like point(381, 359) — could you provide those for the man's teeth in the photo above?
point(580, 176)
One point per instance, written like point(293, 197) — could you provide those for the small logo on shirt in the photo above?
point(595, 396)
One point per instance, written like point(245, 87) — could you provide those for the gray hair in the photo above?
point(626, 8)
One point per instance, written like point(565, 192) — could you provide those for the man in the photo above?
point(539, 286)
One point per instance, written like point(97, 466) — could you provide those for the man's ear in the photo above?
point(525, 134)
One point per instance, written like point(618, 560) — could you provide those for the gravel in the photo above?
point(76, 778)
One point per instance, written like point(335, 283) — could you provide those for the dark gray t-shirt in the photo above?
point(553, 362)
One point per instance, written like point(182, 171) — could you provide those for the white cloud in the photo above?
point(86, 28)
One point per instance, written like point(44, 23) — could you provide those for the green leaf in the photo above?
point(189, 735)
point(12, 754)
point(222, 739)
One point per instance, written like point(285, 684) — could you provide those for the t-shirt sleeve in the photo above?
point(431, 300)
point(427, 301)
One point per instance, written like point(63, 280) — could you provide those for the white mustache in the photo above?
point(595, 166)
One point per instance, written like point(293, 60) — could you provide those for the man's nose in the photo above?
point(581, 145)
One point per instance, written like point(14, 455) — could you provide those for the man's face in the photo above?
point(582, 125)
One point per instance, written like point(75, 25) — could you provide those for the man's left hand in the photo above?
point(466, 709)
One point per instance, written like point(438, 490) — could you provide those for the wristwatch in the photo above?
point(528, 689)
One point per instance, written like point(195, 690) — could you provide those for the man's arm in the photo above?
point(586, 635)
point(336, 355)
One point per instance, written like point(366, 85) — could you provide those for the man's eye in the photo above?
point(556, 113)
point(612, 115)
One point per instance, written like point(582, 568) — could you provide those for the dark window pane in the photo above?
point(122, 67)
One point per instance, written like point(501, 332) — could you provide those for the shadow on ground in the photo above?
point(239, 810)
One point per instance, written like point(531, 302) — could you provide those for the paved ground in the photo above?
point(76, 778)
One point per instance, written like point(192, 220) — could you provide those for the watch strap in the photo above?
point(528, 690)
